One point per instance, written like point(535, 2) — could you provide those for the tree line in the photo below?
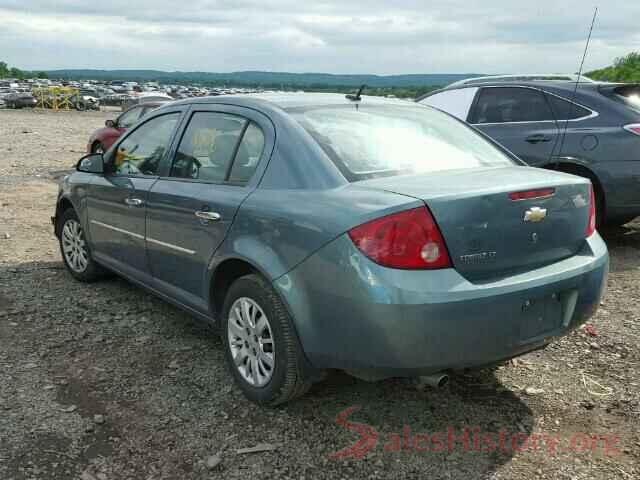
point(624, 69)
point(13, 72)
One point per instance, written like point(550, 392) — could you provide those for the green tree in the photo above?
point(4, 70)
point(43, 75)
point(624, 69)
point(16, 73)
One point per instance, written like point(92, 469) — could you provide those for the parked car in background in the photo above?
point(595, 135)
point(88, 102)
point(20, 100)
point(147, 97)
point(102, 139)
point(318, 231)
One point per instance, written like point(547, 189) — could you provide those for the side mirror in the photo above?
point(110, 124)
point(92, 163)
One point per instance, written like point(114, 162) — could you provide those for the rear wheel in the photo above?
point(75, 250)
point(261, 347)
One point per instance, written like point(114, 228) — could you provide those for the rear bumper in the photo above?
point(353, 314)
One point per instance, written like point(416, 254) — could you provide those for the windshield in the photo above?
point(368, 141)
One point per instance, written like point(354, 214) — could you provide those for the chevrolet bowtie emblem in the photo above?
point(535, 214)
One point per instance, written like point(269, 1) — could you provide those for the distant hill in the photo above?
point(264, 79)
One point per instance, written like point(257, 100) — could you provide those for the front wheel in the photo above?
point(261, 346)
point(75, 251)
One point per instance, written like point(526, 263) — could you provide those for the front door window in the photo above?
point(142, 151)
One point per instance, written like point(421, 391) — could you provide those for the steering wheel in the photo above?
point(195, 168)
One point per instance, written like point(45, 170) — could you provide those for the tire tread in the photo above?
point(295, 383)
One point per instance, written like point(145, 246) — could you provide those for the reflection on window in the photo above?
point(129, 118)
point(207, 147)
point(142, 151)
point(370, 141)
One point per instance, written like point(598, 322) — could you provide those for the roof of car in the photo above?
point(545, 77)
point(559, 85)
point(293, 99)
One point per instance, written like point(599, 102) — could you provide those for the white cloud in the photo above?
point(376, 36)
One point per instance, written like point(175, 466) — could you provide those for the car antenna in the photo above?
point(357, 97)
point(575, 88)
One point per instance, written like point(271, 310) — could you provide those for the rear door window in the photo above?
point(208, 147)
point(510, 105)
point(249, 153)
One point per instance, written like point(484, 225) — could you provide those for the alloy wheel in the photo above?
point(74, 247)
point(251, 342)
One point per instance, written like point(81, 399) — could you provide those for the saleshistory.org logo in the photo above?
point(468, 439)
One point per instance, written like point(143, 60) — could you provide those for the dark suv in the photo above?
point(594, 134)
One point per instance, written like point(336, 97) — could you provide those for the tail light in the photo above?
point(591, 225)
point(407, 240)
point(633, 128)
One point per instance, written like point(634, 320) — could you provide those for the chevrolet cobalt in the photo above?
point(318, 231)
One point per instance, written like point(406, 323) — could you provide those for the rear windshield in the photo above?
point(368, 141)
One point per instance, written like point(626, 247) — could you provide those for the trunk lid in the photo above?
point(485, 230)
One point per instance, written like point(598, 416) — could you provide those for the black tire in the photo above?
point(288, 379)
point(601, 218)
point(92, 271)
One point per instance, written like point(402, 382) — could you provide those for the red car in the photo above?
point(102, 139)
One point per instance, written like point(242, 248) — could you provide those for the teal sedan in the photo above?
point(318, 231)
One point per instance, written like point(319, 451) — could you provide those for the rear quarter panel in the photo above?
point(277, 229)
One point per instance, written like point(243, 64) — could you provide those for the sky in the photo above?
point(344, 36)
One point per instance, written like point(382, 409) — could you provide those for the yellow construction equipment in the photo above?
point(58, 98)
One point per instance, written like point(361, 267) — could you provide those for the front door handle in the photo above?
point(205, 215)
point(134, 202)
point(539, 138)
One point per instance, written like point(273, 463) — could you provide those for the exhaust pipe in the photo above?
point(436, 380)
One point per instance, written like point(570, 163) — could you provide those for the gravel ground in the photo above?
point(105, 381)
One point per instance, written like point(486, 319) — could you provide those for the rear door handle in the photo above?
point(205, 215)
point(134, 202)
point(538, 138)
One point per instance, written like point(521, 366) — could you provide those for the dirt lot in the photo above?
point(105, 381)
